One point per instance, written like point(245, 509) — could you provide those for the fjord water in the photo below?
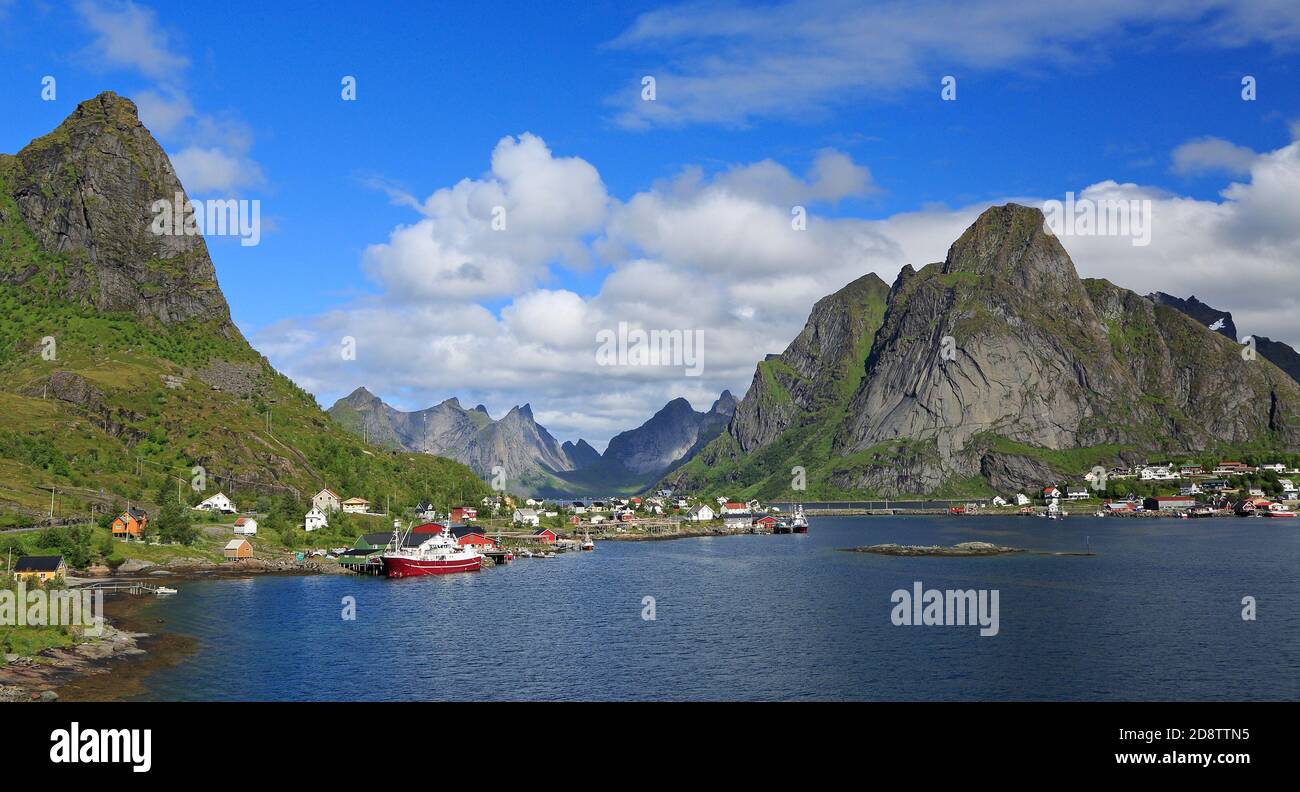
point(1155, 615)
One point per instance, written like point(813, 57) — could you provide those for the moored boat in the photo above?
point(440, 554)
point(798, 522)
point(587, 544)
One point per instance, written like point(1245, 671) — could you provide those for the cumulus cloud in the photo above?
point(495, 235)
point(716, 254)
point(729, 63)
point(1211, 155)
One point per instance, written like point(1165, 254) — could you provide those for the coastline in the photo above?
point(110, 666)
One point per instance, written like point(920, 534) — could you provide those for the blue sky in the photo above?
point(1050, 99)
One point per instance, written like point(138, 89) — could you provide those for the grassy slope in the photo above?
point(47, 443)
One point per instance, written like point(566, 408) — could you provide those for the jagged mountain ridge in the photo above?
point(989, 370)
point(531, 457)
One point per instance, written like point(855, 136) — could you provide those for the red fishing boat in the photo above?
point(440, 554)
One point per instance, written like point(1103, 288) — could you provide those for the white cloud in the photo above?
point(459, 249)
point(716, 254)
point(730, 63)
point(1210, 155)
point(128, 35)
point(214, 170)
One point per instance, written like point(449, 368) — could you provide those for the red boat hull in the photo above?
point(407, 567)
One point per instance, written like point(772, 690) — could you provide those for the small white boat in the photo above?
point(587, 544)
point(164, 591)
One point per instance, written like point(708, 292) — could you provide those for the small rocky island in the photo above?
point(962, 549)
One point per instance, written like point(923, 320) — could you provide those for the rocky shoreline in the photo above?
point(37, 678)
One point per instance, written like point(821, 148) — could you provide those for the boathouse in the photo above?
point(237, 549)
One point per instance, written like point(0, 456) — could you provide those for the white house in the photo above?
point(1076, 493)
point(327, 501)
point(1022, 499)
point(533, 502)
point(315, 519)
point(722, 501)
point(701, 513)
point(682, 503)
point(735, 507)
point(425, 511)
point(597, 519)
point(1276, 467)
point(998, 500)
point(217, 503)
point(356, 506)
point(1157, 473)
point(246, 526)
point(1190, 489)
point(1051, 493)
point(527, 517)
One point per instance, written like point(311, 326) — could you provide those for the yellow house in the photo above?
point(40, 568)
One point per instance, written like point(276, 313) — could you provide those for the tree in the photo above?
point(173, 523)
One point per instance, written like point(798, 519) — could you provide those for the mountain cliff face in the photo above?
point(997, 367)
point(85, 192)
point(121, 368)
point(516, 443)
point(669, 437)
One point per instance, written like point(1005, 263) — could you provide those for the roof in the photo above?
point(526, 512)
point(38, 563)
point(541, 531)
point(1173, 498)
point(245, 521)
point(461, 531)
point(329, 492)
point(356, 500)
point(736, 505)
point(235, 544)
point(698, 509)
point(134, 513)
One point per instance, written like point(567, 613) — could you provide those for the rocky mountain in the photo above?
point(516, 443)
point(1278, 353)
point(581, 454)
point(533, 460)
point(996, 369)
point(121, 367)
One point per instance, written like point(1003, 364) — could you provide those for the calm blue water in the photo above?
point(1156, 616)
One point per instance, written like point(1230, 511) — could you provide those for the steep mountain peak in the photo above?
point(451, 402)
point(525, 411)
point(86, 193)
point(725, 404)
point(481, 408)
point(360, 396)
point(1011, 242)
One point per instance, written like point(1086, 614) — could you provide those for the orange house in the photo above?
point(236, 549)
point(131, 522)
